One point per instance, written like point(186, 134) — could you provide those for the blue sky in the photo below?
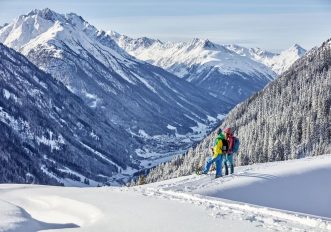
point(270, 24)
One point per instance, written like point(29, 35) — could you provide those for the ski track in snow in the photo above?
point(262, 217)
point(271, 219)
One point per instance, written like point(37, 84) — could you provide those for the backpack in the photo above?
point(236, 145)
point(225, 146)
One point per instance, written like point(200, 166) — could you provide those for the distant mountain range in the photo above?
point(227, 71)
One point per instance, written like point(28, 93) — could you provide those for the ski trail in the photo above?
point(267, 218)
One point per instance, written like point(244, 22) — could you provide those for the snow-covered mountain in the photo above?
point(279, 63)
point(50, 136)
point(288, 119)
point(225, 70)
point(213, 67)
point(146, 100)
point(281, 196)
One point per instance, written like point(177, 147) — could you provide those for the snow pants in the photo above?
point(218, 160)
point(228, 159)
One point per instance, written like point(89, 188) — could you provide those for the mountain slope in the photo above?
point(49, 136)
point(279, 63)
point(289, 119)
point(146, 100)
point(203, 63)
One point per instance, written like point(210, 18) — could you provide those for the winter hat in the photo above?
point(228, 130)
point(219, 131)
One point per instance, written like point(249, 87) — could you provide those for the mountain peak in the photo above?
point(203, 43)
point(114, 34)
point(146, 42)
point(4, 25)
point(198, 41)
point(45, 13)
point(298, 49)
point(208, 44)
point(296, 46)
point(53, 16)
point(47, 28)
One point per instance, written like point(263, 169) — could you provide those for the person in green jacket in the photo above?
point(217, 155)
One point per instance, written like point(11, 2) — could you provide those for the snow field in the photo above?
point(189, 203)
point(104, 209)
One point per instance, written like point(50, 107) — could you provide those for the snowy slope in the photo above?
point(279, 63)
point(264, 197)
point(142, 98)
point(203, 63)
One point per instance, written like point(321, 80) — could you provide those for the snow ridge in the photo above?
point(226, 71)
point(279, 63)
point(179, 57)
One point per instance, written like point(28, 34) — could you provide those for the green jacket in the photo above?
point(218, 145)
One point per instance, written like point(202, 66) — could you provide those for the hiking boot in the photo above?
point(226, 169)
point(232, 169)
point(200, 172)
